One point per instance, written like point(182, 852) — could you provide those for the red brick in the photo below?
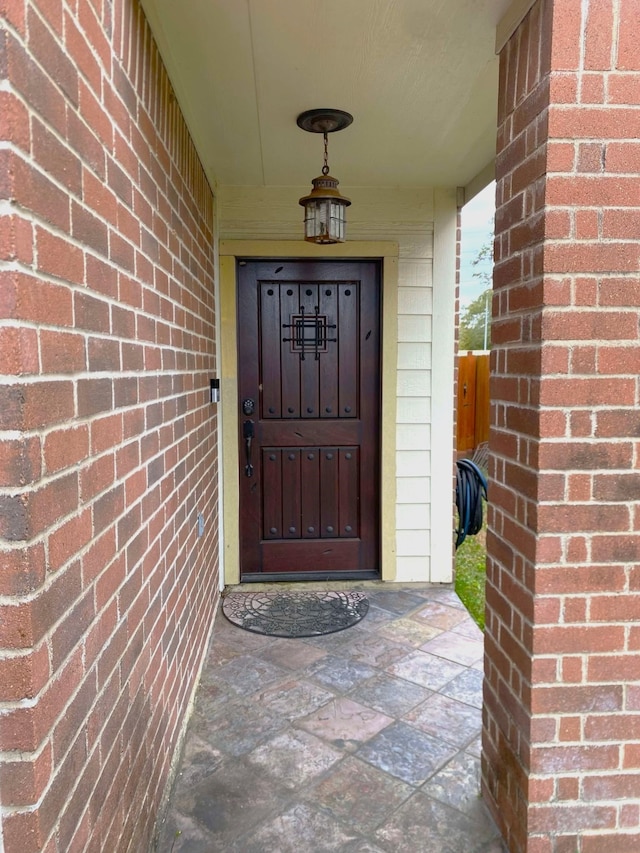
point(590, 158)
point(33, 83)
point(619, 609)
point(590, 122)
point(75, 829)
point(575, 610)
point(119, 182)
point(568, 788)
point(66, 447)
point(631, 755)
point(616, 549)
point(620, 224)
point(56, 159)
point(616, 487)
point(104, 355)
point(121, 252)
point(572, 818)
point(618, 423)
point(565, 49)
point(521, 64)
point(35, 192)
point(23, 676)
point(23, 728)
point(584, 639)
point(580, 426)
point(52, 603)
point(623, 668)
point(89, 230)
point(91, 313)
point(595, 257)
point(81, 53)
point(51, 56)
point(22, 832)
point(82, 139)
point(52, 502)
point(557, 224)
point(94, 396)
point(613, 727)
point(623, 157)
point(69, 538)
point(97, 476)
point(58, 792)
point(14, 12)
point(576, 548)
point(25, 298)
point(19, 350)
point(62, 352)
point(583, 455)
point(616, 842)
point(102, 200)
point(108, 508)
point(96, 116)
point(23, 569)
point(592, 89)
point(570, 729)
point(560, 158)
point(22, 782)
point(591, 757)
point(567, 518)
point(628, 58)
point(73, 720)
point(36, 405)
point(101, 278)
point(587, 225)
point(623, 89)
point(629, 816)
point(95, 35)
point(112, 650)
point(563, 89)
point(16, 238)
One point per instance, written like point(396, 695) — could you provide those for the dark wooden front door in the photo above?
point(309, 396)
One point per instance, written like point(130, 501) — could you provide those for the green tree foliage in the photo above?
point(475, 319)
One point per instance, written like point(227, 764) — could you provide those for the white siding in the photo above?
point(413, 456)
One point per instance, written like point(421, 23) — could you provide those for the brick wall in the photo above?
point(107, 441)
point(562, 713)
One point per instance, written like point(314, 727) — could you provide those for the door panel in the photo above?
point(309, 358)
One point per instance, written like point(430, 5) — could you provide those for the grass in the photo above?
point(470, 575)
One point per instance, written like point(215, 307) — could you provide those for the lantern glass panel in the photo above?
point(324, 221)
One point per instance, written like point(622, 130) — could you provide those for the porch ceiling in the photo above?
point(419, 77)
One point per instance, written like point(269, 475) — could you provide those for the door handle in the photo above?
point(247, 432)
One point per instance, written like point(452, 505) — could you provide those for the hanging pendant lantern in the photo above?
point(324, 208)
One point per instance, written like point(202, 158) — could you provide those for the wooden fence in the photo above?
point(473, 400)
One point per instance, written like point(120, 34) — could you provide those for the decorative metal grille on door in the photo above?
point(309, 354)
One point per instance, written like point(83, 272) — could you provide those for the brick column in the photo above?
point(562, 702)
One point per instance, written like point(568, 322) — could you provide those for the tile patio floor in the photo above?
point(364, 741)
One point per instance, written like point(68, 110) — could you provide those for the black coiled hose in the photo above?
point(471, 488)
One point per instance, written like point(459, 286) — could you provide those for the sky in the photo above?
point(477, 229)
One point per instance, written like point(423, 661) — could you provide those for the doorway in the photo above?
point(309, 418)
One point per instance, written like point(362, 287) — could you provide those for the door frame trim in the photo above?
point(229, 252)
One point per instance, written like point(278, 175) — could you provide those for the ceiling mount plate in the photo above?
point(324, 120)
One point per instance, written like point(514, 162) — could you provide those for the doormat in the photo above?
point(295, 614)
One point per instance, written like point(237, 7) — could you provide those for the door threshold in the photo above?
point(282, 577)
